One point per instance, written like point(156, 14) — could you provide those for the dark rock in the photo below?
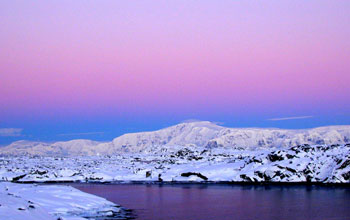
point(195, 174)
point(308, 178)
point(40, 172)
point(183, 152)
point(325, 148)
point(148, 174)
point(291, 170)
point(246, 178)
point(305, 148)
point(338, 161)
point(159, 178)
point(256, 160)
point(335, 145)
point(194, 158)
point(307, 171)
point(280, 174)
point(259, 174)
point(346, 176)
point(204, 151)
point(295, 149)
point(274, 157)
point(95, 178)
point(15, 179)
point(289, 156)
point(345, 164)
point(267, 178)
point(76, 174)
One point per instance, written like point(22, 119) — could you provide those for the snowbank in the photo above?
point(52, 202)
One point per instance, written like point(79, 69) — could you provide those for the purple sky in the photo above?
point(97, 69)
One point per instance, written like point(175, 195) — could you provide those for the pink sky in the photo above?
point(112, 57)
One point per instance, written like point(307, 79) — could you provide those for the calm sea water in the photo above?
point(221, 202)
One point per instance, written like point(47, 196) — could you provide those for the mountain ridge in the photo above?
point(203, 134)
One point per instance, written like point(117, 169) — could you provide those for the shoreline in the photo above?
point(187, 183)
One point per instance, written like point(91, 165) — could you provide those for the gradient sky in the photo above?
point(98, 69)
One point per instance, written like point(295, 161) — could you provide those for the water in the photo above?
point(210, 202)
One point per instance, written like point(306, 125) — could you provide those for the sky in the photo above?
point(99, 69)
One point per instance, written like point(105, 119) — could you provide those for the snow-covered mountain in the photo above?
point(61, 148)
point(196, 151)
point(202, 134)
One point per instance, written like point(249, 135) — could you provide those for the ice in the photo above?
point(52, 202)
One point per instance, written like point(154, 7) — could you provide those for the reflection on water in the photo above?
point(208, 202)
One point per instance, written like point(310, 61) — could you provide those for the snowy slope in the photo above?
point(303, 163)
point(63, 148)
point(193, 134)
point(196, 151)
point(267, 138)
point(184, 134)
point(36, 202)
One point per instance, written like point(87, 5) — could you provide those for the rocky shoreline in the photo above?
point(318, 164)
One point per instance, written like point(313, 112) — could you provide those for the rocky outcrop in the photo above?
point(302, 163)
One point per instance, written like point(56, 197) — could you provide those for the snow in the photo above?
point(193, 135)
point(188, 152)
point(195, 152)
point(52, 202)
point(303, 163)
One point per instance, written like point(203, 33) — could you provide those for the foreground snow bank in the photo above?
point(50, 202)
